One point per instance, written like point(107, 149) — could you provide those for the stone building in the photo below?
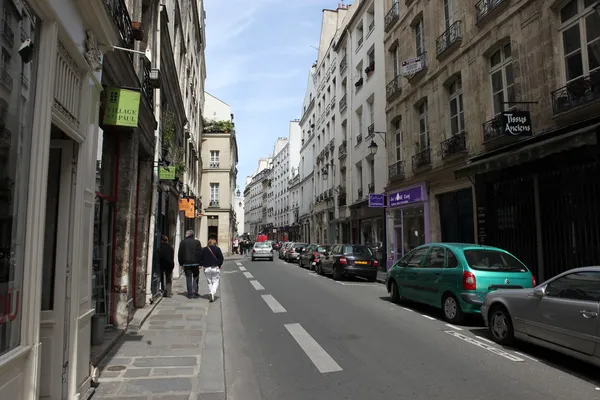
point(492, 128)
point(255, 195)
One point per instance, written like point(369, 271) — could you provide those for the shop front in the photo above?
point(407, 221)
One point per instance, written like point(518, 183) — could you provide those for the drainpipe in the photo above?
point(155, 181)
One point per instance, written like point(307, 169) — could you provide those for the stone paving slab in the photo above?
point(176, 354)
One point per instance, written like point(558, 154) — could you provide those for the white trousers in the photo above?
point(212, 277)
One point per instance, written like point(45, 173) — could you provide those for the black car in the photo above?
point(313, 255)
point(349, 260)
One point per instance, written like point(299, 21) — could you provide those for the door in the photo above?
point(409, 279)
point(56, 274)
point(430, 276)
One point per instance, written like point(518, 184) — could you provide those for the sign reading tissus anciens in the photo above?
point(516, 123)
point(122, 107)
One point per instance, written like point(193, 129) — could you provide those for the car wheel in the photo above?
point(253, 259)
point(337, 273)
point(452, 311)
point(271, 259)
point(318, 269)
point(394, 293)
point(500, 325)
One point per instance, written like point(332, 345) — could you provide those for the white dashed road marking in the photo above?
point(243, 269)
point(428, 317)
point(273, 304)
point(526, 356)
point(407, 309)
point(257, 285)
point(313, 350)
point(456, 328)
point(238, 263)
point(485, 340)
point(248, 275)
point(485, 346)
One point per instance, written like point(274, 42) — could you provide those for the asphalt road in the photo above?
point(290, 334)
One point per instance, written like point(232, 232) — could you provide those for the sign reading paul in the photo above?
point(516, 123)
point(122, 107)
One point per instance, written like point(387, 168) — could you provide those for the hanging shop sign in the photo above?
point(166, 173)
point(411, 66)
point(376, 200)
point(516, 123)
point(188, 206)
point(122, 107)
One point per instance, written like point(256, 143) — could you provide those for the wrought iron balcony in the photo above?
point(396, 170)
point(423, 58)
point(343, 102)
point(6, 79)
point(372, 25)
point(484, 7)
point(393, 87)
point(371, 188)
point(360, 193)
point(421, 159)
point(449, 38)
point(578, 93)
point(23, 34)
point(343, 63)
point(359, 139)
point(370, 131)
point(492, 129)
point(342, 150)
point(7, 33)
point(214, 164)
point(391, 17)
point(213, 203)
point(24, 81)
point(455, 145)
point(330, 193)
point(360, 42)
point(120, 14)
point(147, 86)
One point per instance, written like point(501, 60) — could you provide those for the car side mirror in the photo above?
point(539, 291)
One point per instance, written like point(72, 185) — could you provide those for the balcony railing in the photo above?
point(492, 129)
point(449, 38)
point(359, 139)
point(578, 93)
point(371, 26)
point(23, 34)
point(391, 17)
point(371, 188)
point(120, 14)
point(455, 145)
point(370, 131)
point(213, 203)
point(421, 159)
point(343, 63)
point(484, 7)
point(147, 87)
point(423, 58)
point(393, 87)
point(6, 79)
point(214, 164)
point(396, 170)
point(24, 81)
point(7, 33)
point(343, 102)
point(343, 150)
point(360, 42)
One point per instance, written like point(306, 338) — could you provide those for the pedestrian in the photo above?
point(236, 243)
point(190, 256)
point(166, 265)
point(212, 260)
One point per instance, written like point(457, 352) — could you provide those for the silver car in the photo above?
point(561, 314)
point(262, 250)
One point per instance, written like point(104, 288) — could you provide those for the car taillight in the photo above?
point(376, 263)
point(533, 281)
point(254, 250)
point(469, 282)
point(315, 254)
point(343, 260)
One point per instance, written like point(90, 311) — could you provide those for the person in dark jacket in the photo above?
point(213, 260)
point(166, 265)
point(190, 258)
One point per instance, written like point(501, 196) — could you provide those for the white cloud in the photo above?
point(224, 25)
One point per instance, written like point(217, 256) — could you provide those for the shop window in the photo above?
point(15, 158)
point(413, 223)
point(502, 79)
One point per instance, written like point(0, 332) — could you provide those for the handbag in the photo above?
point(215, 257)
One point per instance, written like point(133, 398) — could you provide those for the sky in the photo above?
point(258, 55)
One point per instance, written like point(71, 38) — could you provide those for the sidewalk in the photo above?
point(177, 354)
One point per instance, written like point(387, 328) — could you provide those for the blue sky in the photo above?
point(258, 54)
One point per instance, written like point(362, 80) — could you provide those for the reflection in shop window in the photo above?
point(16, 102)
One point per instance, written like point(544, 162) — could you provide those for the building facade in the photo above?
point(238, 209)
point(255, 195)
point(277, 196)
point(219, 173)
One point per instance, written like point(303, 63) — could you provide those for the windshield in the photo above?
point(493, 260)
point(300, 245)
point(358, 250)
point(262, 244)
point(323, 249)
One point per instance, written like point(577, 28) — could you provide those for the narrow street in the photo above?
point(289, 334)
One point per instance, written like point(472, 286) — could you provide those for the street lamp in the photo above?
point(373, 148)
point(325, 173)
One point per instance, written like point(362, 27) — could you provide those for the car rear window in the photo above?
point(262, 244)
point(299, 245)
point(493, 261)
point(358, 250)
point(323, 249)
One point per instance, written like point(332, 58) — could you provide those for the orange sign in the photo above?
point(188, 206)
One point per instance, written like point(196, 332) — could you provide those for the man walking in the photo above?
point(167, 264)
point(190, 257)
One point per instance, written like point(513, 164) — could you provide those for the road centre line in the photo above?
point(242, 268)
point(248, 275)
point(428, 317)
point(456, 328)
point(238, 263)
point(485, 346)
point(320, 358)
point(257, 285)
point(273, 304)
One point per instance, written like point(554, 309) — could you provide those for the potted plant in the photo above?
point(138, 32)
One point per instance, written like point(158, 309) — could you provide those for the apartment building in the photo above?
point(220, 152)
point(492, 116)
point(277, 196)
point(255, 194)
point(238, 209)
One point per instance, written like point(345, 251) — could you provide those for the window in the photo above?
point(435, 258)
point(452, 261)
point(6, 59)
point(214, 192)
point(359, 120)
point(457, 117)
point(501, 73)
point(493, 261)
point(398, 139)
point(580, 29)
point(395, 62)
point(420, 38)
point(449, 12)
point(371, 112)
point(415, 259)
point(359, 36)
point(371, 58)
point(214, 159)
point(423, 126)
point(583, 286)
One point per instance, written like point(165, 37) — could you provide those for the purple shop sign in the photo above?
point(376, 200)
point(402, 197)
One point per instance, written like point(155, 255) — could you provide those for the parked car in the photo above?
point(349, 260)
point(455, 277)
point(293, 252)
point(283, 248)
point(560, 314)
point(262, 250)
point(312, 255)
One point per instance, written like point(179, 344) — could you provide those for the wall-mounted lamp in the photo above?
point(373, 148)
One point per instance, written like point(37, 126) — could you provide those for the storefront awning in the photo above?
point(528, 152)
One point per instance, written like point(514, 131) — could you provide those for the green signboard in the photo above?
point(122, 107)
point(166, 173)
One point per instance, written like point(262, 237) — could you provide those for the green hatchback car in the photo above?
point(455, 276)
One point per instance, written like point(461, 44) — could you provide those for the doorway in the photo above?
point(56, 275)
point(456, 216)
point(213, 227)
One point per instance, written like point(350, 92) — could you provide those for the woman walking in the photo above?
point(213, 259)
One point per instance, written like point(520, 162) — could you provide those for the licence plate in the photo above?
point(362, 262)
